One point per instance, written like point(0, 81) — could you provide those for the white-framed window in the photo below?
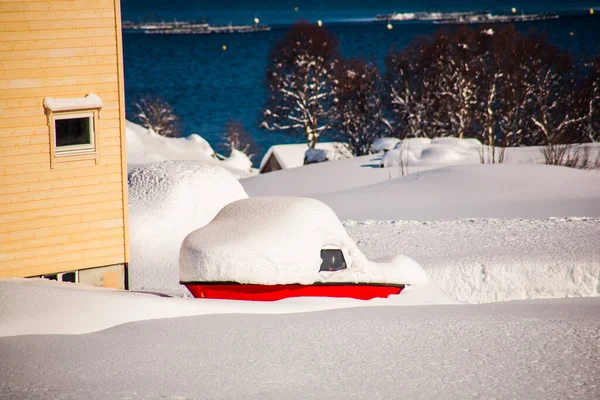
point(73, 126)
point(74, 133)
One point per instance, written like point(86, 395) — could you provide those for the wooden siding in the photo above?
point(72, 216)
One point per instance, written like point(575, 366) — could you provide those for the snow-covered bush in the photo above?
point(236, 137)
point(168, 200)
point(569, 155)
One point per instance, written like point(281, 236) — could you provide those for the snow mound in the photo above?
point(384, 143)
point(414, 153)
point(441, 153)
point(167, 201)
point(457, 142)
point(278, 240)
point(145, 146)
point(412, 142)
point(238, 161)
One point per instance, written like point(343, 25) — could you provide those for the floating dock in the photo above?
point(190, 28)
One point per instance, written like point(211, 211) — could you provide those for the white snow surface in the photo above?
point(145, 146)
point(37, 306)
point(278, 240)
point(335, 176)
point(167, 201)
point(91, 101)
point(526, 350)
point(474, 191)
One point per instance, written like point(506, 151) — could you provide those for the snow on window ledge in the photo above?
point(91, 101)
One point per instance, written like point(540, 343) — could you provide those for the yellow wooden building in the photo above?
point(63, 168)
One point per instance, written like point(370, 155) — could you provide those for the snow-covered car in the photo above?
point(268, 248)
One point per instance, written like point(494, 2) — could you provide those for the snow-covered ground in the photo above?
point(537, 349)
point(521, 237)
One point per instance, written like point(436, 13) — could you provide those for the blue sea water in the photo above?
point(208, 86)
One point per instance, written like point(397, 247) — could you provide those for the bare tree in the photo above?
point(406, 72)
point(237, 137)
point(359, 105)
point(300, 82)
point(154, 113)
point(553, 94)
point(590, 92)
point(458, 79)
point(510, 55)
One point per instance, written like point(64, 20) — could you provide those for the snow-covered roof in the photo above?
point(168, 200)
point(91, 101)
point(292, 155)
point(278, 240)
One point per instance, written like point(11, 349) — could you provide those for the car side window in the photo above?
point(333, 260)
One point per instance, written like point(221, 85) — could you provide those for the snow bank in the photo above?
point(144, 147)
point(491, 260)
point(474, 191)
point(167, 201)
point(278, 240)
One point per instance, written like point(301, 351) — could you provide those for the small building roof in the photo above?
point(292, 155)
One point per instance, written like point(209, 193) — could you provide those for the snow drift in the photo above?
point(37, 306)
point(417, 153)
point(474, 191)
point(167, 201)
point(145, 147)
point(278, 240)
point(493, 260)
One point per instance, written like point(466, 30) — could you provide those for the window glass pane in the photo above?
point(73, 131)
point(333, 260)
point(68, 277)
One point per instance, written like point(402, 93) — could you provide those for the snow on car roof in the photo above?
point(278, 240)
